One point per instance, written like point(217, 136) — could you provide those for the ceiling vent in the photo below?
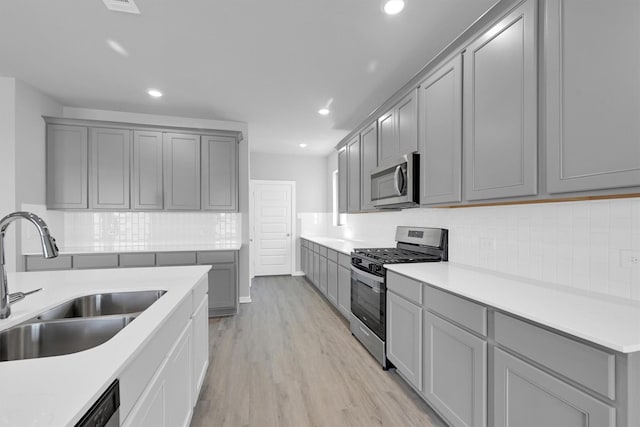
point(127, 6)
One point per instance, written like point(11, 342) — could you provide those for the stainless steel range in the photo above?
point(368, 281)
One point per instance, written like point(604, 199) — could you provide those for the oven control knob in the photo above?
point(356, 261)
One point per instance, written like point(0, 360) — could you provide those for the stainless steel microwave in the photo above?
point(394, 184)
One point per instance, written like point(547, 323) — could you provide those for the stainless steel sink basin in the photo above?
point(102, 305)
point(58, 337)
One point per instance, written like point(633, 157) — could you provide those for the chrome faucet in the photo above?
point(49, 250)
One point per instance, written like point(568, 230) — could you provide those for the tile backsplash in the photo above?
point(576, 244)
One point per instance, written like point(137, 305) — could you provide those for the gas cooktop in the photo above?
point(395, 255)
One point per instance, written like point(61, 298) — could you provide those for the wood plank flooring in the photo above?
point(289, 359)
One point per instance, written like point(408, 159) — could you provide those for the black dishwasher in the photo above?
point(106, 411)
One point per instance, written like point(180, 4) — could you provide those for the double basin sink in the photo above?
point(76, 325)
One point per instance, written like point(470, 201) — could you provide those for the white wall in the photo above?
point(8, 163)
point(573, 244)
point(151, 119)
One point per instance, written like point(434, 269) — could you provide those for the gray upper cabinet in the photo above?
point(455, 372)
point(342, 181)
point(527, 396)
point(440, 134)
point(404, 337)
point(219, 173)
point(500, 108)
point(181, 158)
point(592, 98)
point(399, 129)
point(110, 152)
point(353, 173)
point(146, 173)
point(368, 161)
point(67, 167)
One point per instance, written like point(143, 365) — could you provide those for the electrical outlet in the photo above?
point(629, 258)
point(487, 243)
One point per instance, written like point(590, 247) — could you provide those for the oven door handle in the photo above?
point(370, 280)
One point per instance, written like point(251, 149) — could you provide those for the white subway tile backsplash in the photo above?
point(571, 243)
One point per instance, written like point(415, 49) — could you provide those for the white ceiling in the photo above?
point(271, 64)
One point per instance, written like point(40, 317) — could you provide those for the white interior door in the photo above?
point(272, 228)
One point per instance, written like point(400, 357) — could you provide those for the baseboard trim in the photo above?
point(245, 300)
point(298, 273)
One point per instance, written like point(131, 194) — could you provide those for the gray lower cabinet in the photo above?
point(316, 270)
point(219, 173)
point(592, 107)
point(323, 278)
point(181, 166)
point(404, 338)
point(455, 372)
point(353, 174)
point(223, 292)
point(440, 134)
point(500, 108)
point(38, 263)
point(343, 185)
point(332, 282)
point(368, 161)
point(146, 171)
point(67, 167)
point(110, 152)
point(95, 261)
point(344, 291)
point(526, 396)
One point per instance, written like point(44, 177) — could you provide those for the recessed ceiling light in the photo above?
point(117, 47)
point(155, 93)
point(302, 145)
point(323, 111)
point(392, 7)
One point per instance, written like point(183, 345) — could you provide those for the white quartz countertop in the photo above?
point(224, 245)
point(347, 246)
point(609, 321)
point(57, 391)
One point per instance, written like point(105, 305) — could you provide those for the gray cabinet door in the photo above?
point(388, 147)
point(353, 173)
point(404, 338)
point(526, 396)
point(592, 98)
point(441, 134)
point(500, 108)
point(332, 282)
point(181, 158)
point(316, 270)
point(219, 174)
point(368, 161)
point(323, 276)
point(344, 291)
point(223, 294)
point(407, 124)
point(343, 186)
point(110, 151)
point(146, 173)
point(67, 167)
point(455, 372)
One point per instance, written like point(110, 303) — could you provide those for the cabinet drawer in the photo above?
point(344, 260)
point(405, 287)
point(137, 260)
point(37, 263)
point(175, 258)
point(323, 251)
point(332, 255)
point(316, 247)
point(466, 313)
point(95, 261)
point(303, 243)
point(213, 257)
point(586, 365)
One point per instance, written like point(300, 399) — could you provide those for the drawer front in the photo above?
point(38, 263)
point(332, 255)
point(303, 243)
point(95, 261)
point(586, 365)
point(175, 258)
point(214, 257)
point(344, 260)
point(323, 251)
point(466, 313)
point(316, 247)
point(405, 287)
point(137, 260)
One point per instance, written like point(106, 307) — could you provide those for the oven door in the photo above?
point(369, 300)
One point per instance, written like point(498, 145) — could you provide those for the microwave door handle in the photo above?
point(396, 180)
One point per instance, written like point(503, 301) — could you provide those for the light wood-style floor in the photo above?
point(289, 359)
